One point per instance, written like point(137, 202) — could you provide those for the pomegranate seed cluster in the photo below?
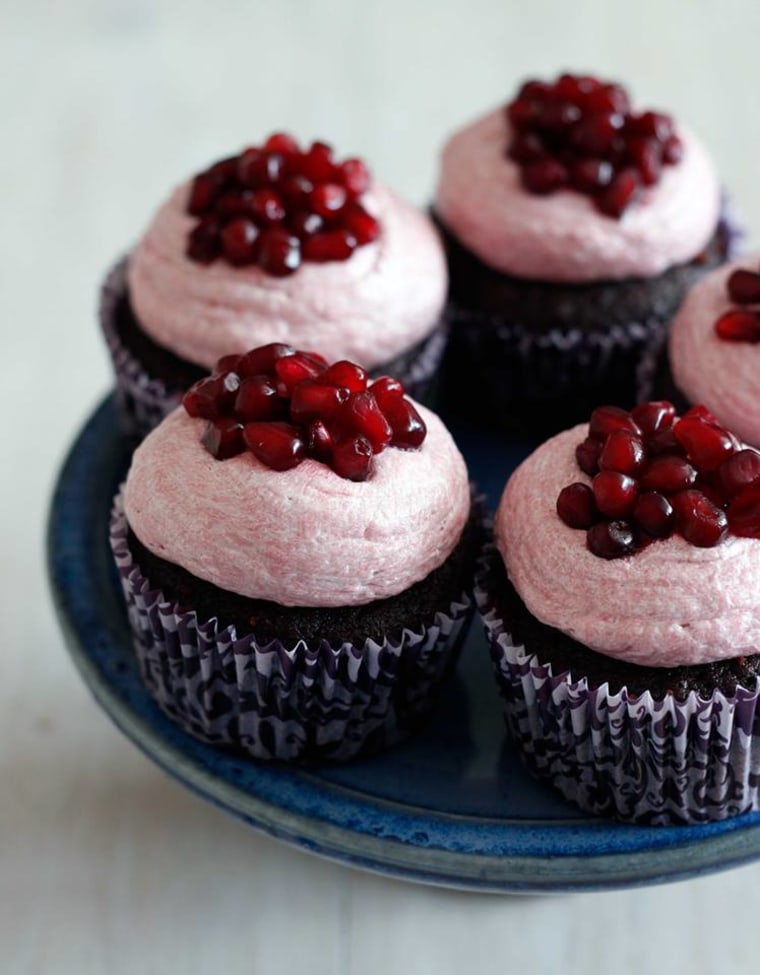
point(741, 324)
point(285, 405)
point(580, 133)
point(654, 474)
point(277, 205)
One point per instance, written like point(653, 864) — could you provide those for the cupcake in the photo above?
point(276, 244)
point(574, 224)
point(623, 613)
point(714, 354)
point(296, 549)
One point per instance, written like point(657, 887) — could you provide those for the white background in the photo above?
point(105, 864)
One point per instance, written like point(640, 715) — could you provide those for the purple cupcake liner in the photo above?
point(144, 400)
point(303, 703)
point(640, 760)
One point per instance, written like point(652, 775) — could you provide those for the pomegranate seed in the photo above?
point(294, 191)
point(653, 513)
point(352, 458)
point(348, 374)
point(699, 521)
point(527, 147)
point(279, 252)
point(281, 143)
point(408, 427)
point(223, 438)
point(672, 151)
point(611, 539)
point(261, 361)
point(266, 207)
point(227, 386)
point(361, 225)
point(664, 442)
point(620, 194)
point(667, 474)
point(739, 326)
point(386, 391)
point(248, 170)
point(707, 445)
point(327, 199)
point(614, 493)
point(744, 513)
point(608, 98)
point(239, 241)
point(361, 416)
point(203, 243)
point(319, 442)
point(622, 452)
point(293, 369)
point(594, 134)
point(576, 506)
point(653, 417)
point(257, 399)
point(305, 224)
point(335, 245)
point(740, 471)
point(652, 125)
point(233, 205)
point(314, 399)
point(317, 164)
point(204, 192)
point(228, 363)
point(534, 89)
point(645, 156)
point(354, 175)
point(558, 115)
point(524, 112)
point(744, 287)
point(225, 171)
point(200, 399)
point(544, 176)
point(278, 445)
point(590, 175)
point(587, 455)
point(607, 419)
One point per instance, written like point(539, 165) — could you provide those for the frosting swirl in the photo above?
point(384, 299)
point(725, 376)
point(303, 537)
point(672, 604)
point(561, 237)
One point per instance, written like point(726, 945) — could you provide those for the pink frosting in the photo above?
point(562, 237)
point(384, 299)
point(304, 537)
point(667, 605)
point(724, 376)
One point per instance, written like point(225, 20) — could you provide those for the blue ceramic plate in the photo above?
point(452, 807)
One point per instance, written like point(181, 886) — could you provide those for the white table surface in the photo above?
point(106, 865)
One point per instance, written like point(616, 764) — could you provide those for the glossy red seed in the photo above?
point(646, 156)
point(667, 474)
point(622, 192)
point(576, 506)
point(361, 416)
point(225, 171)
point(327, 199)
point(361, 225)
point(544, 176)
point(355, 176)
point(203, 194)
point(744, 513)
point(607, 419)
point(293, 369)
point(587, 455)
point(706, 444)
point(223, 438)
point(386, 391)
point(260, 361)
point(348, 374)
point(278, 445)
point(663, 442)
point(279, 252)
point(608, 98)
point(204, 242)
point(408, 427)
point(231, 205)
point(534, 89)
point(611, 539)
point(257, 399)
point(743, 287)
point(281, 143)
point(266, 207)
point(740, 471)
point(311, 400)
point(248, 168)
point(652, 125)
point(622, 452)
point(594, 134)
point(557, 116)
point(239, 241)
point(294, 191)
point(319, 442)
point(653, 513)
point(305, 224)
point(317, 164)
point(590, 175)
point(352, 458)
point(672, 151)
point(739, 326)
point(201, 399)
point(653, 417)
point(228, 363)
point(524, 112)
point(227, 386)
point(699, 521)
point(527, 147)
point(335, 245)
point(615, 494)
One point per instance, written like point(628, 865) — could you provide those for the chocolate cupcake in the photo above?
point(277, 244)
point(622, 610)
point(297, 566)
point(574, 224)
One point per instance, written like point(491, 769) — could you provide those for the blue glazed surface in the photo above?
point(453, 806)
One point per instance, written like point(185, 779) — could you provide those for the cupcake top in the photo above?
point(269, 519)
point(284, 245)
point(664, 572)
point(569, 184)
point(714, 350)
